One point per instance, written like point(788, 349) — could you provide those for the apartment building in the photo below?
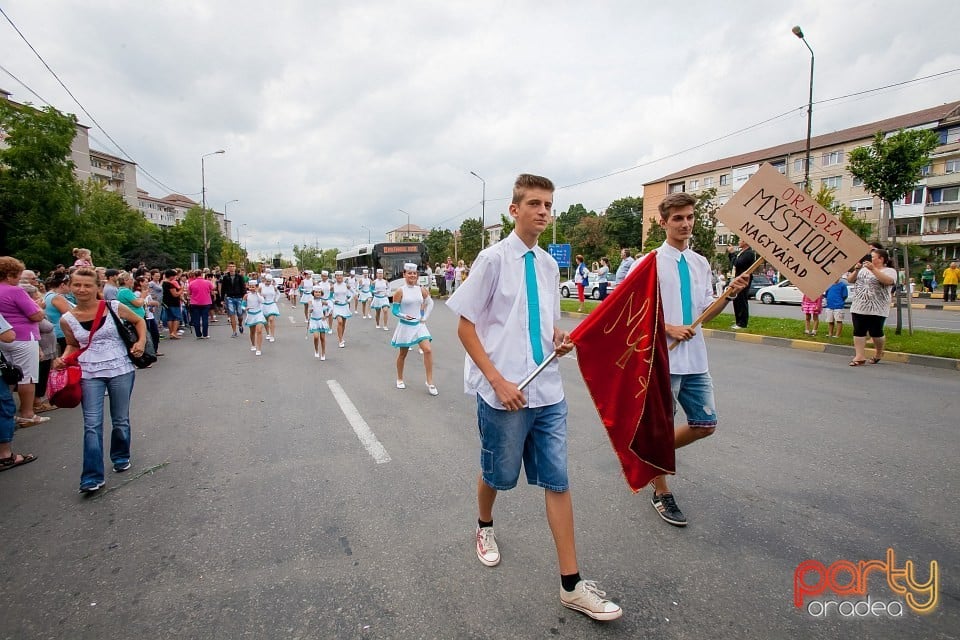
point(407, 232)
point(172, 209)
point(928, 216)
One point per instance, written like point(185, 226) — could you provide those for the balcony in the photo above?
point(942, 180)
point(940, 237)
point(936, 208)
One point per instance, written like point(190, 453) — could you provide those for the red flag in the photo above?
point(622, 353)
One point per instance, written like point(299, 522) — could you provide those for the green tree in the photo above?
point(507, 224)
point(655, 236)
point(571, 217)
point(471, 231)
point(438, 242)
point(38, 193)
point(891, 166)
point(856, 223)
point(109, 227)
point(704, 240)
point(624, 222)
point(589, 238)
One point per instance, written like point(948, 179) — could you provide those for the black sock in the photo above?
point(482, 524)
point(569, 582)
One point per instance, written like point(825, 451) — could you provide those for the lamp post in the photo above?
point(368, 231)
point(408, 220)
point(203, 199)
point(797, 31)
point(483, 210)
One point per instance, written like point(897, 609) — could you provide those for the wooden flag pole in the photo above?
point(720, 302)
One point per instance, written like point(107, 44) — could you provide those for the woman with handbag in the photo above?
point(9, 459)
point(24, 314)
point(90, 327)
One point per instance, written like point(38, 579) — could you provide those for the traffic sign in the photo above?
point(560, 253)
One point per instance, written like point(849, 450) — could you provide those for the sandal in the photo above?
point(44, 407)
point(857, 363)
point(11, 462)
point(874, 360)
point(31, 422)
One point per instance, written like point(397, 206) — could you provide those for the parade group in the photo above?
point(508, 311)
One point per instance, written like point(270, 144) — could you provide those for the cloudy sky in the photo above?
point(334, 115)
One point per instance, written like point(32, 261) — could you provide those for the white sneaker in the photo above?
point(378, 326)
point(316, 355)
point(432, 389)
point(386, 328)
point(258, 353)
point(487, 550)
point(588, 599)
point(323, 357)
point(253, 348)
point(342, 344)
point(401, 385)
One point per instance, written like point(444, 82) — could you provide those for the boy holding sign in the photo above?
point(686, 290)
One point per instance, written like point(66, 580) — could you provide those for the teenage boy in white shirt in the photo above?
point(682, 303)
point(515, 284)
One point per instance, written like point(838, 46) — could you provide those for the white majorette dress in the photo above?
point(306, 290)
point(319, 312)
point(381, 291)
point(269, 294)
point(254, 305)
point(366, 286)
point(410, 333)
point(341, 300)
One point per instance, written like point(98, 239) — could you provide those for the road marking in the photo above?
point(367, 438)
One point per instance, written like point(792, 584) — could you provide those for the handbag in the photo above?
point(128, 333)
point(63, 385)
point(12, 373)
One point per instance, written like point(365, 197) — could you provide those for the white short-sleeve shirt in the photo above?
point(494, 298)
point(689, 356)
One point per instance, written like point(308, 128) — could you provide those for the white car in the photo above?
point(569, 288)
point(780, 293)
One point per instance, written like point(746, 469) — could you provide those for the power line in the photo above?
point(24, 84)
point(82, 108)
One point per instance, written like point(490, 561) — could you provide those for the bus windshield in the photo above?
point(389, 256)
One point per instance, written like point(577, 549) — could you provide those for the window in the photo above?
point(676, 187)
point(857, 182)
point(708, 182)
point(799, 164)
point(723, 239)
point(832, 158)
point(946, 225)
point(908, 227)
point(926, 170)
point(915, 196)
point(833, 182)
point(945, 194)
point(950, 135)
point(694, 185)
point(724, 179)
point(781, 166)
point(952, 166)
point(861, 204)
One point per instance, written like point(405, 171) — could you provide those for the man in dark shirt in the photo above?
point(233, 286)
point(741, 304)
point(170, 298)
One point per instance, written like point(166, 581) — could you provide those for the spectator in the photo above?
point(811, 314)
point(950, 279)
point(170, 301)
point(9, 459)
point(581, 278)
point(602, 273)
point(438, 273)
point(835, 299)
point(57, 301)
point(741, 303)
point(110, 285)
point(626, 261)
point(450, 275)
point(201, 297)
point(106, 368)
point(24, 316)
point(927, 278)
point(83, 258)
point(871, 304)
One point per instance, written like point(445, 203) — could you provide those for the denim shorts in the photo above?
point(234, 307)
point(694, 392)
point(536, 437)
point(172, 313)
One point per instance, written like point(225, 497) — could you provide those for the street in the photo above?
point(923, 319)
point(260, 506)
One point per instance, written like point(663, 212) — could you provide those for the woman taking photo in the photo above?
point(871, 304)
point(106, 367)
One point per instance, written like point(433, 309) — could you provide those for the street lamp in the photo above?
point(203, 199)
point(797, 31)
point(483, 210)
point(408, 221)
point(368, 231)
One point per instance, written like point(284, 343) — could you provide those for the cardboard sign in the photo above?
point(806, 243)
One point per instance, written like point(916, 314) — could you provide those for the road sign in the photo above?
point(560, 253)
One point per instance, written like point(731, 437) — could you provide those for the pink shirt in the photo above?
point(16, 305)
point(201, 291)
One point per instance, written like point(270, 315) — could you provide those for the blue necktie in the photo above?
point(686, 296)
point(533, 307)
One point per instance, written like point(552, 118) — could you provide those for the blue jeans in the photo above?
point(7, 410)
point(200, 319)
point(120, 388)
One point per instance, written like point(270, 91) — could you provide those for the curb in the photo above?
point(836, 349)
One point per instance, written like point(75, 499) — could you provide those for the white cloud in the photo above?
point(335, 114)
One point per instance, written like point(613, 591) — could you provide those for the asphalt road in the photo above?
point(923, 319)
point(254, 510)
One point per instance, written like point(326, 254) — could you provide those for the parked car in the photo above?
point(758, 282)
point(781, 293)
point(592, 290)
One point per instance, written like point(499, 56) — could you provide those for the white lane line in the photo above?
point(367, 438)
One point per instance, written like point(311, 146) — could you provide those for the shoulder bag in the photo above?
point(128, 333)
point(63, 385)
